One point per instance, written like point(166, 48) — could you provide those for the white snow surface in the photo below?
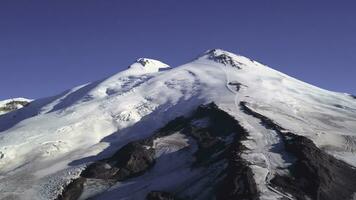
point(46, 144)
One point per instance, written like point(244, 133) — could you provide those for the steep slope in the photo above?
point(74, 137)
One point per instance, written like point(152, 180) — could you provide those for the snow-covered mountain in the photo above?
point(220, 127)
point(10, 105)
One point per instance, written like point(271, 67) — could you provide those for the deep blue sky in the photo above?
point(49, 46)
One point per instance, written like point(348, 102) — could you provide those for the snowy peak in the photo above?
point(225, 58)
point(13, 104)
point(148, 65)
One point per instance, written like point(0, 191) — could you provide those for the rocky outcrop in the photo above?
point(236, 84)
point(13, 105)
point(131, 160)
point(223, 58)
point(315, 174)
point(73, 190)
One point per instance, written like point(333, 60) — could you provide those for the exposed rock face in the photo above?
point(131, 160)
point(239, 182)
point(318, 174)
point(73, 190)
point(218, 137)
point(211, 139)
point(315, 174)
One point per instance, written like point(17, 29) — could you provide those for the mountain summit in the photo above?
point(10, 105)
point(148, 65)
point(220, 127)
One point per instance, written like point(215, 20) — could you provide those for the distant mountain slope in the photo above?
point(222, 126)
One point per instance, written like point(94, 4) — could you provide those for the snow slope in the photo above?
point(46, 144)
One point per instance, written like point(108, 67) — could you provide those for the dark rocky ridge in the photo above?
point(239, 182)
point(212, 138)
point(236, 180)
point(315, 174)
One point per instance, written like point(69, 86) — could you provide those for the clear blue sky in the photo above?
point(47, 46)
